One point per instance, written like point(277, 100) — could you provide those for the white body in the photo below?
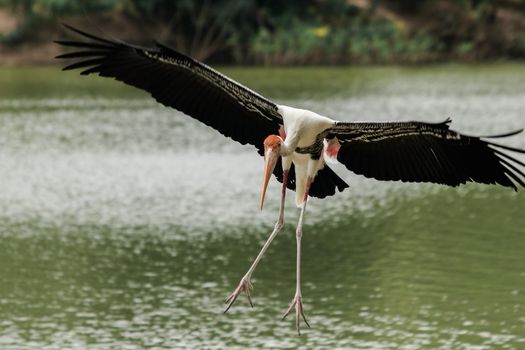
point(301, 128)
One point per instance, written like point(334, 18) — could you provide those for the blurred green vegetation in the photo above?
point(302, 32)
point(35, 12)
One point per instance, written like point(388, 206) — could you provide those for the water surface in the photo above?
point(124, 224)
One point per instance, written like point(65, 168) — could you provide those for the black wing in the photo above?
point(178, 81)
point(325, 184)
point(425, 152)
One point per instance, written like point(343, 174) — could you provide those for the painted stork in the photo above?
point(407, 151)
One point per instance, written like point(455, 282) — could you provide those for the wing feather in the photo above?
point(178, 81)
point(425, 152)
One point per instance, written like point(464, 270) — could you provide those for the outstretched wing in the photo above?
point(424, 152)
point(178, 81)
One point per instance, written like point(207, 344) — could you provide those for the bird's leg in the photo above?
point(297, 300)
point(245, 284)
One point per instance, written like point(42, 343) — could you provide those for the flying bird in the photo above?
point(296, 142)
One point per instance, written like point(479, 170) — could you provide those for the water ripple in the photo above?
point(125, 224)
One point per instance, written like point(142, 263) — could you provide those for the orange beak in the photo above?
point(271, 156)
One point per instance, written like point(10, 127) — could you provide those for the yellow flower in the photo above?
point(400, 25)
point(321, 31)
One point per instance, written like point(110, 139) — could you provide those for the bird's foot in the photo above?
point(299, 312)
point(244, 286)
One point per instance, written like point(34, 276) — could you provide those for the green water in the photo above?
point(125, 225)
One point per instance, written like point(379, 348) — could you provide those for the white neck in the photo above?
point(289, 145)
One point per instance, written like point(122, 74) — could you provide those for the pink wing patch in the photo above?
point(332, 148)
point(281, 133)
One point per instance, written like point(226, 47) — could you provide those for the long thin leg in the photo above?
point(245, 284)
point(297, 300)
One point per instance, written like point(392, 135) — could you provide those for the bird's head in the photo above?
point(272, 152)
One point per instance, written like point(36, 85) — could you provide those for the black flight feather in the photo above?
point(183, 83)
point(425, 152)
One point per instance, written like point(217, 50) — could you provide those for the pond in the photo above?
point(125, 224)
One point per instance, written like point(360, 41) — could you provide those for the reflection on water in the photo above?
point(125, 225)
